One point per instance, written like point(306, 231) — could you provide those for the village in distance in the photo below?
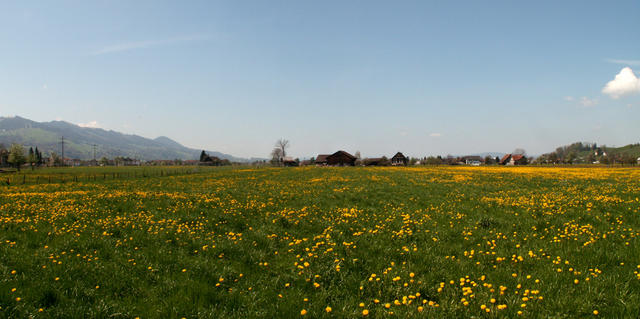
point(16, 156)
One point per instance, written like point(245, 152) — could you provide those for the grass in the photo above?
point(87, 174)
point(437, 242)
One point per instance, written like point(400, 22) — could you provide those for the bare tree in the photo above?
point(282, 145)
point(519, 151)
point(276, 156)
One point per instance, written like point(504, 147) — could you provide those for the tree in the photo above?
point(16, 155)
point(519, 151)
point(282, 145)
point(4, 154)
point(433, 160)
point(276, 156)
point(103, 161)
point(38, 157)
point(488, 160)
point(55, 158)
point(203, 156)
point(32, 158)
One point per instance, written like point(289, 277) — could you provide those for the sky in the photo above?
point(421, 77)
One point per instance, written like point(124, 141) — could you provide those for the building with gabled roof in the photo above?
point(321, 159)
point(399, 159)
point(513, 159)
point(341, 158)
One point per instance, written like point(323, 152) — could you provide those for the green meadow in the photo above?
point(429, 242)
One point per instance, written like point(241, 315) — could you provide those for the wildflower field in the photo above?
point(440, 242)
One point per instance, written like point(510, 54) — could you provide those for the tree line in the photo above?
point(589, 153)
point(15, 156)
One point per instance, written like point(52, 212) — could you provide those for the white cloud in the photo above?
point(435, 134)
point(625, 83)
point(626, 62)
point(569, 98)
point(587, 102)
point(126, 46)
point(92, 124)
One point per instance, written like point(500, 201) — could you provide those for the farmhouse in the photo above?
point(322, 159)
point(515, 159)
point(472, 160)
point(289, 161)
point(399, 159)
point(339, 158)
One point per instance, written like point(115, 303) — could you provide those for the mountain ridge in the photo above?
point(80, 141)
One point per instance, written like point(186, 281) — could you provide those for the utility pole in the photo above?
point(62, 143)
point(94, 153)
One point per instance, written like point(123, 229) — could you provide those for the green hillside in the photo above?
point(80, 141)
point(583, 153)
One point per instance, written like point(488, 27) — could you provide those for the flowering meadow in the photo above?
point(440, 242)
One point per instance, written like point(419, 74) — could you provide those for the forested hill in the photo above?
point(79, 141)
point(581, 152)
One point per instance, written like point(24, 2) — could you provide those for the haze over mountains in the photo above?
point(79, 141)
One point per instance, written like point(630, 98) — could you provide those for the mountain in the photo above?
point(79, 141)
point(483, 155)
point(490, 154)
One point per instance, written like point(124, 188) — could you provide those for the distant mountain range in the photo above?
point(79, 141)
point(490, 154)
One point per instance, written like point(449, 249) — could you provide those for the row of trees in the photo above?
point(15, 156)
point(206, 159)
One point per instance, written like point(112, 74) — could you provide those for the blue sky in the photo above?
point(423, 77)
